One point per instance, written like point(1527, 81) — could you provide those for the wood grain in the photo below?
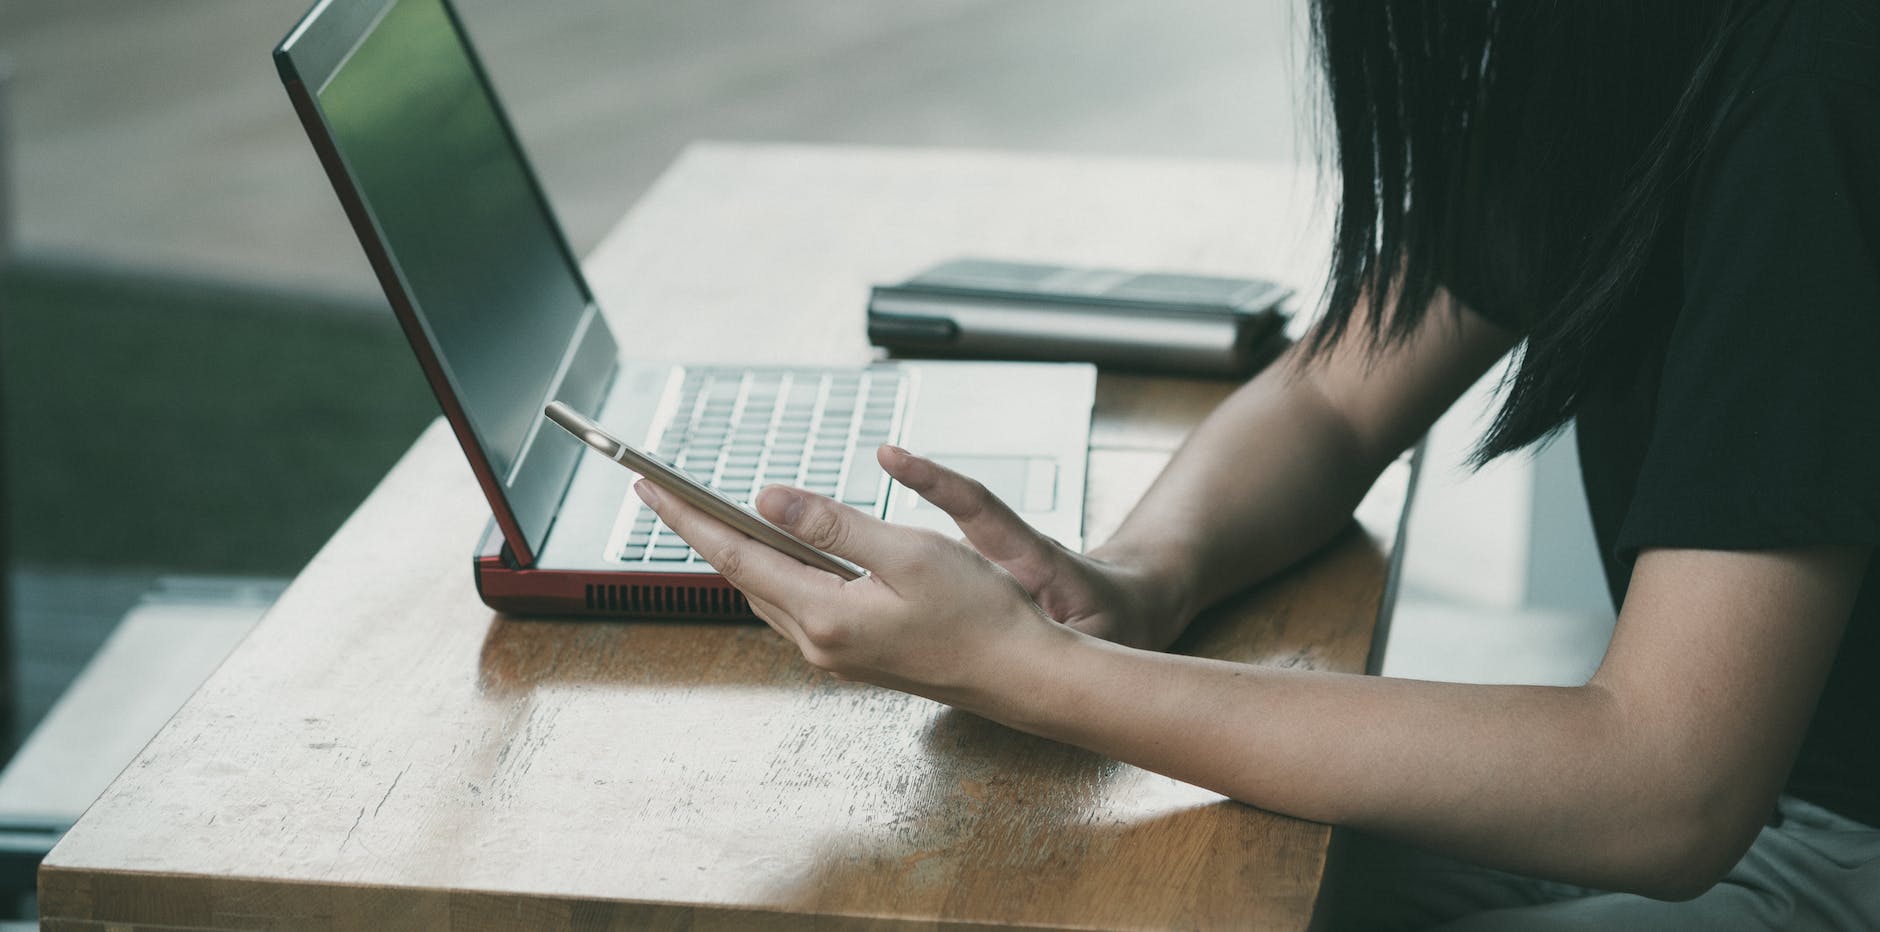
point(385, 752)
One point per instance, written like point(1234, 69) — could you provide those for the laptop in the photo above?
point(460, 234)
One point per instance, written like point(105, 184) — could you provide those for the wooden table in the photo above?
point(385, 752)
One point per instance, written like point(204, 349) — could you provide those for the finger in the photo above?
point(826, 525)
point(754, 568)
point(990, 525)
point(792, 630)
point(780, 621)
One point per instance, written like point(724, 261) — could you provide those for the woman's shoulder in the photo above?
point(1804, 42)
point(1800, 83)
point(1845, 40)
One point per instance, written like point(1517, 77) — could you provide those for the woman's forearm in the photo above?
point(1268, 477)
point(1275, 471)
point(1541, 780)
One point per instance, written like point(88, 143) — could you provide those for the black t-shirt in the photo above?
point(1753, 419)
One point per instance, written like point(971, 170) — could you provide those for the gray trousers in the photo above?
point(1808, 869)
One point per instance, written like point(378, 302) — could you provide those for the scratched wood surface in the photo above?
point(385, 752)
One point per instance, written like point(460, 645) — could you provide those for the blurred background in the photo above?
point(201, 379)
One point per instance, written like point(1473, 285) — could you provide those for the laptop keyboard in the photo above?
point(742, 429)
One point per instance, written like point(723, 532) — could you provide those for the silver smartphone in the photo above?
point(702, 496)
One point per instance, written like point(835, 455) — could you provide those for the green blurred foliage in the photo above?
point(181, 426)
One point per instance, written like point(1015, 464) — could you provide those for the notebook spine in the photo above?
point(1186, 340)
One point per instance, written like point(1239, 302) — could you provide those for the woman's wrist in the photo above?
point(1018, 686)
point(1162, 579)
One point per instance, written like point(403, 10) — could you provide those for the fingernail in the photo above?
point(898, 451)
point(791, 506)
point(647, 493)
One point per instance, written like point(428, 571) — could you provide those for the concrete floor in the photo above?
point(157, 135)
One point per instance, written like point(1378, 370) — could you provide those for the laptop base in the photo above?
point(681, 596)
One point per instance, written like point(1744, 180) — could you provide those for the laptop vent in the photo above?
point(668, 600)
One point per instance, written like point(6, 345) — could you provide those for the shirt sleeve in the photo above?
point(1767, 430)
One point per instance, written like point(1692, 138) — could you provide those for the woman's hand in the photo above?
point(934, 616)
point(1111, 599)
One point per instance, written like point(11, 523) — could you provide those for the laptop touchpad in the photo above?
point(1027, 483)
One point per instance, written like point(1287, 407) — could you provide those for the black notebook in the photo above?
point(1156, 321)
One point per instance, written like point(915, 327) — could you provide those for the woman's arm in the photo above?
point(1653, 777)
point(1276, 470)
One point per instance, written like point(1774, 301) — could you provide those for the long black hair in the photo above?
point(1526, 155)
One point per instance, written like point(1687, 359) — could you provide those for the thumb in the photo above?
point(829, 526)
point(989, 524)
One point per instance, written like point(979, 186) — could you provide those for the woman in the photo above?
point(1673, 210)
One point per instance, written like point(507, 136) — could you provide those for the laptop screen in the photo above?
point(481, 257)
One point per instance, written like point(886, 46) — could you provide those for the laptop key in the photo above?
point(744, 429)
